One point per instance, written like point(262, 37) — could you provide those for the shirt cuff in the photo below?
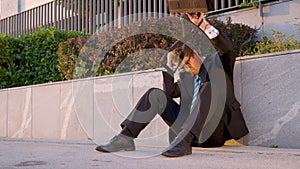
point(212, 32)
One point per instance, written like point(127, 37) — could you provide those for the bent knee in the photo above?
point(156, 90)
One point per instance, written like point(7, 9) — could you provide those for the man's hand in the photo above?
point(200, 21)
point(194, 18)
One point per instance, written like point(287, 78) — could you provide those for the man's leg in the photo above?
point(218, 138)
point(182, 145)
point(154, 101)
point(198, 116)
point(220, 134)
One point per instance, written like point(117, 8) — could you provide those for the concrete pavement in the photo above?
point(56, 154)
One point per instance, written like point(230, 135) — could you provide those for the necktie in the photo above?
point(197, 85)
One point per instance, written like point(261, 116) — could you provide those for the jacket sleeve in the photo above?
point(169, 86)
point(226, 49)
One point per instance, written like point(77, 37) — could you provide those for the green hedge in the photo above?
point(68, 52)
point(242, 36)
point(50, 55)
point(32, 59)
point(10, 50)
point(276, 42)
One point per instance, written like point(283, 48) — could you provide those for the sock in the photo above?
point(185, 135)
point(189, 137)
point(125, 131)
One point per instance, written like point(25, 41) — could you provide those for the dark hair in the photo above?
point(187, 51)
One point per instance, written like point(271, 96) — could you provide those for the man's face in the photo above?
point(192, 63)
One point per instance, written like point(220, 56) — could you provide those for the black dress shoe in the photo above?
point(118, 143)
point(181, 145)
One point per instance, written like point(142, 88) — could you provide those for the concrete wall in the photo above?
point(266, 85)
point(28, 4)
point(43, 111)
point(281, 16)
point(12, 7)
point(8, 8)
point(270, 97)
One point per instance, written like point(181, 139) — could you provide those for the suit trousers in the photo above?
point(156, 101)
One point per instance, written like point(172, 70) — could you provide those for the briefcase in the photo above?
point(189, 6)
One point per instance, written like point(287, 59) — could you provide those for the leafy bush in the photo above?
point(104, 52)
point(68, 52)
point(50, 55)
point(39, 56)
point(246, 4)
point(129, 49)
point(69, 61)
point(276, 42)
point(10, 49)
point(125, 56)
point(242, 36)
point(32, 59)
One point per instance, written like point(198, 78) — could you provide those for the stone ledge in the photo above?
point(267, 88)
point(263, 56)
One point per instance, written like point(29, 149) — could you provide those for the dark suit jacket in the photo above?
point(231, 114)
